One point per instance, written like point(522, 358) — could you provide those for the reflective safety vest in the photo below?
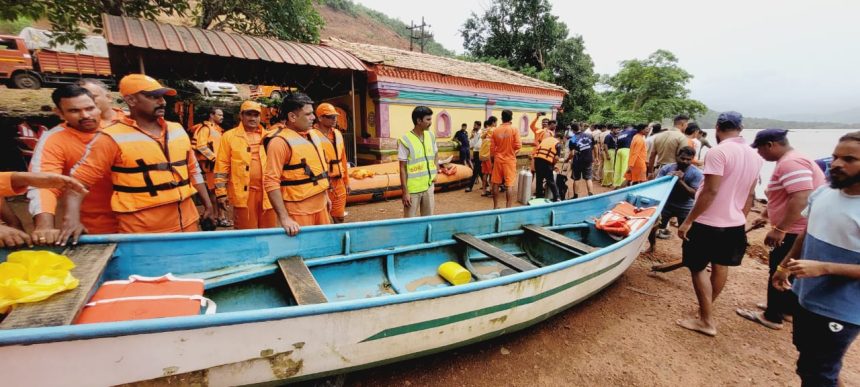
point(547, 150)
point(421, 164)
point(141, 298)
point(334, 153)
point(149, 174)
point(233, 167)
point(304, 174)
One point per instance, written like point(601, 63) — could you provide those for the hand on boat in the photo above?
point(290, 226)
point(12, 237)
point(683, 229)
point(72, 229)
point(46, 236)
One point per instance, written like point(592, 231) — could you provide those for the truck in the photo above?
point(29, 61)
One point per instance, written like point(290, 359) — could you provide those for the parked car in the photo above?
point(216, 89)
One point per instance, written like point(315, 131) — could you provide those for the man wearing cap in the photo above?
point(295, 176)
point(151, 164)
point(794, 178)
point(57, 151)
point(335, 151)
point(714, 230)
point(205, 138)
point(239, 171)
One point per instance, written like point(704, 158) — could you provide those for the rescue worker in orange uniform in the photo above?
point(57, 151)
point(151, 164)
point(335, 152)
point(545, 157)
point(239, 171)
point(504, 145)
point(16, 183)
point(205, 138)
point(296, 177)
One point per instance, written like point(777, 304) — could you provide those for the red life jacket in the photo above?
point(624, 219)
point(140, 298)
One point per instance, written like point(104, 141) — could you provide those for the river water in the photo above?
point(814, 143)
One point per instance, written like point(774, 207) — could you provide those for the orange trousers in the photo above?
point(337, 195)
point(254, 216)
point(315, 219)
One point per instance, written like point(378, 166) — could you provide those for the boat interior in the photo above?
point(260, 269)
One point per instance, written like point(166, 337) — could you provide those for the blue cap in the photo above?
point(769, 135)
point(733, 117)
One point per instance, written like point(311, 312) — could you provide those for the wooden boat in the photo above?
point(332, 299)
point(385, 182)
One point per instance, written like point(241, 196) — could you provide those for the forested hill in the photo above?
point(709, 119)
point(356, 23)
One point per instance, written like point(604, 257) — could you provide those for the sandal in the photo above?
point(758, 317)
point(224, 223)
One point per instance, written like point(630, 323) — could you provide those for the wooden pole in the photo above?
point(355, 124)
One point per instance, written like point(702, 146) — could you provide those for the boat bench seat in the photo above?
point(302, 284)
point(491, 251)
point(63, 308)
point(559, 238)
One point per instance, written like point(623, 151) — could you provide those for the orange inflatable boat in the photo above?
point(382, 181)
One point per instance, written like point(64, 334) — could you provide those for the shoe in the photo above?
point(663, 234)
point(468, 190)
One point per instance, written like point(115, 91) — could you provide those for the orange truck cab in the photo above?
point(26, 67)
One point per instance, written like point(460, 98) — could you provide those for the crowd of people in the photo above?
point(138, 173)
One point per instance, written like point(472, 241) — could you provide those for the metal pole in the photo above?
point(140, 63)
point(355, 124)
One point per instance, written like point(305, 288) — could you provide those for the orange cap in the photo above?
point(251, 106)
point(137, 83)
point(326, 109)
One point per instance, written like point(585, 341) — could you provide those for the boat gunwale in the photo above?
point(41, 335)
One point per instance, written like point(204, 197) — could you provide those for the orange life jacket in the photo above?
point(624, 219)
point(304, 174)
point(140, 298)
point(334, 152)
point(149, 175)
point(547, 149)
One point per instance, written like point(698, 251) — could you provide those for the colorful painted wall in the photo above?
point(390, 106)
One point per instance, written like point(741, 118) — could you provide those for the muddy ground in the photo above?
point(625, 335)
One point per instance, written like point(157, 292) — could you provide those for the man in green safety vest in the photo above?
point(416, 151)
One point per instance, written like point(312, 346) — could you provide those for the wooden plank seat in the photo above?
point(559, 238)
point(491, 251)
point(302, 284)
point(62, 308)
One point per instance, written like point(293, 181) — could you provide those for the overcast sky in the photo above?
point(765, 58)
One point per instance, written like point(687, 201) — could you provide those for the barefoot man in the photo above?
point(714, 231)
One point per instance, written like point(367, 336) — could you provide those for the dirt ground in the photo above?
point(625, 335)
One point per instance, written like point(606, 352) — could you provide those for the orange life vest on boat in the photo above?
point(305, 174)
point(140, 298)
point(624, 219)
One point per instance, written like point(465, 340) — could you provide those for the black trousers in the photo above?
point(543, 170)
point(779, 302)
point(476, 169)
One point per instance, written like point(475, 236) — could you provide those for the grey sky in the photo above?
point(765, 58)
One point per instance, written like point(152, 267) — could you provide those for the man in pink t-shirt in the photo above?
point(793, 179)
point(714, 231)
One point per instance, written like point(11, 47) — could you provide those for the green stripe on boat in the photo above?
point(403, 329)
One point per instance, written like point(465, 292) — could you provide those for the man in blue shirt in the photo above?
point(825, 261)
point(580, 146)
point(462, 139)
point(683, 194)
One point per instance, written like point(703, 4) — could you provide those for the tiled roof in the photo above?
point(437, 64)
point(126, 31)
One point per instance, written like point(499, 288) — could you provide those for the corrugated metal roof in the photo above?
point(437, 64)
point(126, 31)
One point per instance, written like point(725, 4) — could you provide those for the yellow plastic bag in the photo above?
point(30, 276)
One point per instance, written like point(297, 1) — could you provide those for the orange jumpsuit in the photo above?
point(102, 153)
point(58, 151)
point(637, 162)
point(504, 145)
point(309, 212)
point(337, 159)
point(251, 211)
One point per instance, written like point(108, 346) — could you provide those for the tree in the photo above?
point(281, 19)
point(526, 36)
point(648, 90)
point(295, 20)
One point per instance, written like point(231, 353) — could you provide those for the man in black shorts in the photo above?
point(580, 152)
point(714, 231)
